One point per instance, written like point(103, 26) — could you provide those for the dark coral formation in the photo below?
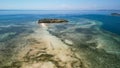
point(45, 20)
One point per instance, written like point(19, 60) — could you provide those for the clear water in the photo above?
point(98, 45)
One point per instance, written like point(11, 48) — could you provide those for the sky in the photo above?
point(60, 4)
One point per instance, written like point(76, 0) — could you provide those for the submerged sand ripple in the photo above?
point(49, 51)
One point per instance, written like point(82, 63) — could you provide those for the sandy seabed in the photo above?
point(82, 45)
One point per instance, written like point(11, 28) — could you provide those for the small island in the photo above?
point(47, 20)
point(115, 14)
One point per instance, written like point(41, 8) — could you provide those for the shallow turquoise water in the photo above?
point(19, 29)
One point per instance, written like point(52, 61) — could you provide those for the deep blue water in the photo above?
point(19, 21)
point(110, 23)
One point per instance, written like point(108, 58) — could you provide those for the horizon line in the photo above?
point(58, 10)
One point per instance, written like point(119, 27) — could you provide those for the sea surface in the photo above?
point(83, 26)
point(9, 18)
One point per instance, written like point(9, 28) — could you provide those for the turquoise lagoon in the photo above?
point(95, 35)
